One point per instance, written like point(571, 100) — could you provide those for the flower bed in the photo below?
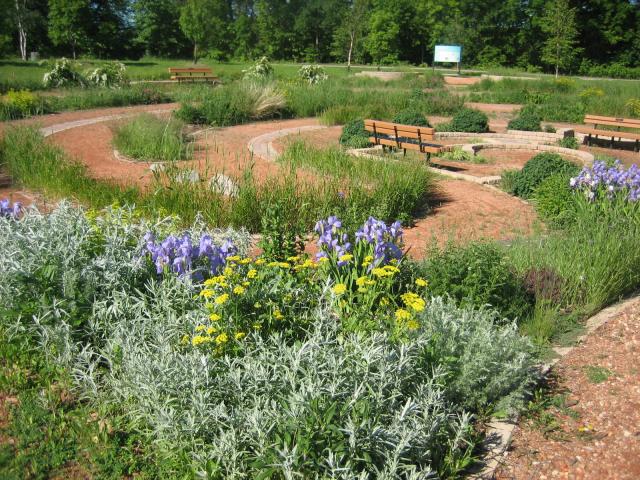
point(233, 366)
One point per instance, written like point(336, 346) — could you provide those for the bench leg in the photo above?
point(612, 140)
point(637, 149)
point(404, 152)
point(589, 140)
point(428, 157)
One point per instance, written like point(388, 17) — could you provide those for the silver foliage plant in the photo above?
point(332, 406)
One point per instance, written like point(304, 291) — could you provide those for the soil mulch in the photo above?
point(593, 430)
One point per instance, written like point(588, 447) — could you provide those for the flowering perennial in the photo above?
point(386, 241)
point(181, 256)
point(10, 211)
point(600, 180)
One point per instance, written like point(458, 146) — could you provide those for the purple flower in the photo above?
point(10, 211)
point(182, 257)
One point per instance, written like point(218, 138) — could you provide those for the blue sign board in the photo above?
point(447, 54)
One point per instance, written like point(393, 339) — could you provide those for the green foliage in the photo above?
point(554, 200)
point(312, 74)
point(364, 187)
point(559, 24)
point(469, 120)
point(63, 74)
point(20, 104)
point(569, 142)
point(457, 154)
point(283, 231)
point(150, 138)
point(354, 135)
point(527, 120)
point(261, 70)
point(111, 74)
point(477, 275)
point(204, 22)
point(538, 169)
point(458, 361)
point(411, 116)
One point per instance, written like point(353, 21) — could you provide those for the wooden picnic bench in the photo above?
point(192, 74)
point(405, 137)
point(596, 120)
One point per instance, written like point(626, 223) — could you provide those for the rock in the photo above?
point(224, 185)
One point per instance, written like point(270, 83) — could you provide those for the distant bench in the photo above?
point(200, 74)
point(405, 137)
point(596, 120)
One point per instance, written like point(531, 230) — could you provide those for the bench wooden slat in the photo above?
point(607, 133)
point(369, 124)
point(200, 77)
point(189, 70)
point(622, 122)
point(401, 133)
point(406, 145)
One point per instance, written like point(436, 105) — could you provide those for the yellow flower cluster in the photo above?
point(386, 271)
point(413, 301)
point(339, 289)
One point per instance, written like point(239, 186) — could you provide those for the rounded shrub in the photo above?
point(528, 120)
point(538, 169)
point(354, 135)
point(190, 113)
point(411, 116)
point(554, 200)
point(477, 275)
point(469, 120)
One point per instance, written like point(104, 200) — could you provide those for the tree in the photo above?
point(204, 23)
point(348, 34)
point(68, 23)
point(381, 42)
point(559, 24)
point(25, 15)
point(158, 27)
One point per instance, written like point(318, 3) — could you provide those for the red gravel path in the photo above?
point(597, 435)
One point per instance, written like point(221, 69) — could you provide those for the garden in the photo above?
point(231, 282)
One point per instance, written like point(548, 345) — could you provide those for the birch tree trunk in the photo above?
point(22, 33)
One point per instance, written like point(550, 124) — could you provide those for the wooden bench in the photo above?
point(192, 74)
point(619, 123)
point(405, 137)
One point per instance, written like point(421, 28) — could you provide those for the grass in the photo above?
point(386, 189)
point(564, 100)
point(55, 435)
point(397, 191)
point(148, 137)
point(597, 374)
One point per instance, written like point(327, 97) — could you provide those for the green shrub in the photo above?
point(469, 120)
point(477, 275)
point(540, 168)
point(554, 200)
point(354, 135)
point(21, 104)
point(508, 180)
point(112, 74)
point(569, 142)
point(150, 138)
point(63, 74)
point(550, 129)
point(411, 116)
point(528, 120)
point(191, 113)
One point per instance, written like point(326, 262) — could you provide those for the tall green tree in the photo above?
point(559, 24)
point(382, 40)
point(158, 27)
point(350, 32)
point(204, 22)
point(68, 23)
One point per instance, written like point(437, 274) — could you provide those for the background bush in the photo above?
point(354, 135)
point(477, 275)
point(468, 120)
point(527, 120)
point(411, 116)
point(554, 200)
point(539, 168)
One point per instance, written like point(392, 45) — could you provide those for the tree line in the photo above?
point(511, 32)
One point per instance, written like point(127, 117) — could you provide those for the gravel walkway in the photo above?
point(590, 428)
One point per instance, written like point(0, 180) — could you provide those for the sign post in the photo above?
point(447, 54)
